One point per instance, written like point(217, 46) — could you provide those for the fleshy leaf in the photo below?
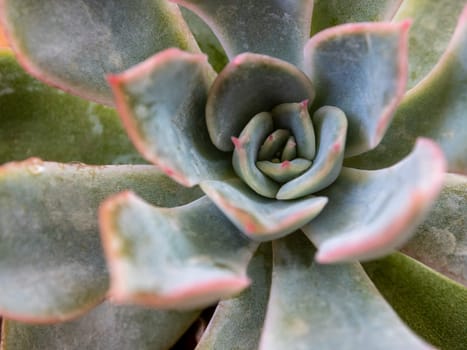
point(260, 83)
point(51, 264)
point(378, 210)
point(107, 327)
point(162, 102)
point(433, 23)
point(435, 108)
point(331, 125)
point(274, 143)
point(261, 218)
point(237, 322)
point(206, 40)
point(284, 171)
point(247, 147)
point(172, 258)
point(37, 120)
point(432, 305)
point(87, 39)
point(274, 28)
point(313, 306)
point(441, 240)
point(362, 69)
point(330, 13)
point(295, 117)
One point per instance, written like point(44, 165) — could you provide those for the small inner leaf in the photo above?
point(295, 117)
point(285, 171)
point(290, 149)
point(273, 144)
point(245, 153)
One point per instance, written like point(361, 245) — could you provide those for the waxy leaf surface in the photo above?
point(107, 327)
point(162, 104)
point(88, 39)
point(51, 262)
point(371, 213)
point(362, 69)
point(274, 28)
point(183, 257)
point(313, 306)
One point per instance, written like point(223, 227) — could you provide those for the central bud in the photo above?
point(276, 151)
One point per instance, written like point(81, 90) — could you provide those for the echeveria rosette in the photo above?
point(188, 121)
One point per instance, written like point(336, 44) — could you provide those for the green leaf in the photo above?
point(362, 69)
point(313, 306)
point(329, 13)
point(435, 108)
point(371, 213)
point(261, 218)
point(274, 28)
point(440, 241)
point(162, 103)
point(331, 128)
point(51, 264)
point(172, 258)
point(237, 322)
point(206, 40)
point(36, 120)
point(433, 23)
point(107, 327)
point(248, 85)
point(432, 305)
point(87, 39)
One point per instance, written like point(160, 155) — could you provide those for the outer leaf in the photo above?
point(362, 69)
point(274, 28)
point(36, 120)
point(314, 306)
point(435, 108)
point(107, 327)
point(185, 257)
point(329, 13)
point(260, 83)
point(433, 23)
point(51, 264)
point(441, 240)
point(377, 210)
point(237, 322)
point(432, 305)
point(261, 218)
point(206, 40)
point(88, 39)
point(162, 103)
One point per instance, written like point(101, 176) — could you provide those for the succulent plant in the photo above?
point(285, 174)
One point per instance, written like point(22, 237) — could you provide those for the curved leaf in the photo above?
point(331, 126)
point(51, 263)
point(432, 305)
point(88, 39)
point(179, 258)
point(362, 69)
point(313, 306)
point(274, 28)
point(330, 13)
point(237, 322)
point(37, 120)
point(107, 327)
point(161, 102)
point(371, 213)
point(441, 240)
point(433, 22)
point(261, 83)
point(261, 218)
point(435, 108)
